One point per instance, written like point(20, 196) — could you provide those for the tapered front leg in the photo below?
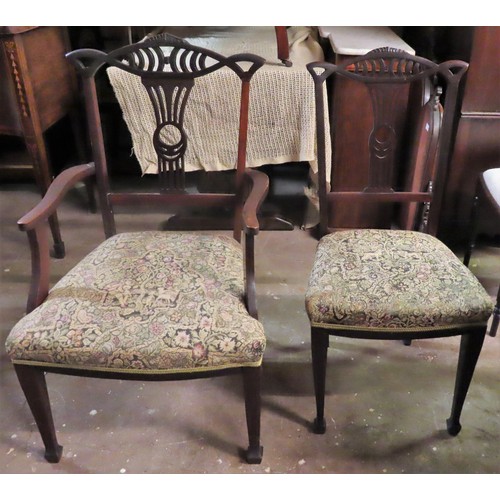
point(319, 351)
point(33, 384)
point(252, 388)
point(470, 347)
point(496, 316)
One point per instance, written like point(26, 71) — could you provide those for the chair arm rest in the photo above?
point(259, 185)
point(58, 188)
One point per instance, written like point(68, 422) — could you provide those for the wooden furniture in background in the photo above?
point(37, 89)
point(486, 199)
point(386, 284)
point(477, 144)
point(351, 119)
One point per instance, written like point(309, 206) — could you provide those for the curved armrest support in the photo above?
point(58, 188)
point(259, 185)
point(35, 224)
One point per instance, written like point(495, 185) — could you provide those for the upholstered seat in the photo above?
point(155, 301)
point(391, 280)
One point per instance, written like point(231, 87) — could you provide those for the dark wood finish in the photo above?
point(185, 64)
point(252, 389)
point(283, 46)
point(384, 72)
point(41, 89)
point(33, 383)
point(477, 147)
point(387, 74)
point(259, 185)
point(319, 352)
point(55, 193)
point(470, 348)
point(351, 121)
point(481, 90)
point(485, 201)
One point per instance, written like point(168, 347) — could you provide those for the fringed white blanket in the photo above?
point(281, 117)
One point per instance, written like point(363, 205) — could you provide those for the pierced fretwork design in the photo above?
point(389, 63)
point(168, 67)
point(165, 54)
point(169, 101)
point(177, 59)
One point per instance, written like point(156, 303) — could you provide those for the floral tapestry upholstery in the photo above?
point(151, 301)
point(388, 279)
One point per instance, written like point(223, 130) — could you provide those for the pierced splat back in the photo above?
point(170, 141)
point(168, 68)
point(386, 72)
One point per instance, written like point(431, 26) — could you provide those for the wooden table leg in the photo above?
point(32, 130)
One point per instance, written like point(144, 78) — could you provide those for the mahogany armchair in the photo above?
point(387, 283)
point(151, 305)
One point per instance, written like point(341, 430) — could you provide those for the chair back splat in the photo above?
point(152, 304)
point(168, 68)
point(415, 144)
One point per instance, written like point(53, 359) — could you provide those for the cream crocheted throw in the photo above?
point(281, 116)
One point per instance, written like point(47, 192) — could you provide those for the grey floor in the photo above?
point(386, 403)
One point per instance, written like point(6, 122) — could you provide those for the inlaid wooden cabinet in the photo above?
point(37, 88)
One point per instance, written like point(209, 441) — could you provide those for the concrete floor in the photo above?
point(386, 403)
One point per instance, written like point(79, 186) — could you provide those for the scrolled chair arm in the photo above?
point(35, 224)
point(258, 184)
point(54, 195)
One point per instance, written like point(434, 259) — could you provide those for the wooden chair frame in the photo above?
point(146, 60)
point(384, 71)
point(384, 81)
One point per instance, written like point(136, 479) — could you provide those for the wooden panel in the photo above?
point(14, 30)
point(477, 149)
point(10, 121)
point(53, 79)
point(477, 144)
point(352, 122)
point(482, 92)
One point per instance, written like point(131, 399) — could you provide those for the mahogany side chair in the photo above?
point(487, 196)
point(390, 283)
point(149, 305)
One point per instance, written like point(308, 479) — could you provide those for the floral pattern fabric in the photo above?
point(154, 301)
point(389, 279)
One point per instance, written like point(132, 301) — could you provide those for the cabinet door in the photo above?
point(477, 143)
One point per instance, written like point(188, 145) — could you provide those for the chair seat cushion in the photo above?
point(156, 301)
point(392, 280)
